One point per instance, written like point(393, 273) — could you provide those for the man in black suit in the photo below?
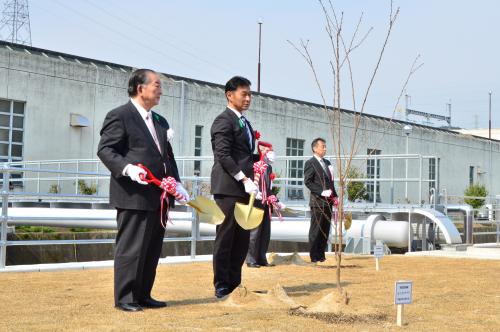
point(233, 142)
point(260, 237)
point(133, 134)
point(318, 178)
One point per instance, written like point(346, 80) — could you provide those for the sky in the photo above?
point(214, 40)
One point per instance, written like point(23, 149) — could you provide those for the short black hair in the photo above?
point(138, 77)
point(235, 82)
point(315, 142)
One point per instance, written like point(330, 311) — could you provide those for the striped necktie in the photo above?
point(247, 129)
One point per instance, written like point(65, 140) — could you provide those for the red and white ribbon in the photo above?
point(272, 201)
point(259, 168)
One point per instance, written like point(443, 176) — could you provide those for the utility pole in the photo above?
point(448, 106)
point(407, 101)
point(258, 66)
point(491, 163)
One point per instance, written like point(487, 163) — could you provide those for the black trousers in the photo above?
point(231, 245)
point(319, 231)
point(137, 251)
point(259, 241)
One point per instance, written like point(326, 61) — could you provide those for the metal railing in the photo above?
point(7, 196)
point(31, 178)
point(68, 176)
point(488, 214)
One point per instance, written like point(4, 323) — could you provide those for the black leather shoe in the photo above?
point(152, 303)
point(129, 307)
point(254, 265)
point(221, 292)
point(267, 264)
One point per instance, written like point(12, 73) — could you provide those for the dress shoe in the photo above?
point(152, 303)
point(129, 307)
point(221, 292)
point(266, 264)
point(255, 265)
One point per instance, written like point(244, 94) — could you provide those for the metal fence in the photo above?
point(390, 179)
point(58, 181)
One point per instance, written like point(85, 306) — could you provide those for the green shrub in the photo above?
point(33, 229)
point(275, 190)
point(476, 190)
point(85, 189)
point(356, 189)
point(54, 189)
point(79, 230)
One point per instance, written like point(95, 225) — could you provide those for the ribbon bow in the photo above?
point(168, 185)
point(272, 200)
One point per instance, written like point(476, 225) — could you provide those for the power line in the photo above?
point(159, 38)
point(127, 37)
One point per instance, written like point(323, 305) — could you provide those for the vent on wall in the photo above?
point(78, 120)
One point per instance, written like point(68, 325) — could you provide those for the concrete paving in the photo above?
point(477, 251)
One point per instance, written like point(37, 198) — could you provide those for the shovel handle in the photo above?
point(252, 199)
point(150, 178)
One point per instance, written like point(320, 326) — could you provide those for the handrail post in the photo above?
point(410, 233)
point(4, 217)
point(77, 178)
point(420, 181)
point(497, 217)
point(195, 220)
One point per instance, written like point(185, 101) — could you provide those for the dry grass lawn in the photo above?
point(449, 295)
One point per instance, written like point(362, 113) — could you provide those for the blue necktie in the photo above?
point(247, 129)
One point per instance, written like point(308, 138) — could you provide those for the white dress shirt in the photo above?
point(144, 115)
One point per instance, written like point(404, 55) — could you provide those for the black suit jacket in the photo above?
point(125, 139)
point(316, 180)
point(232, 153)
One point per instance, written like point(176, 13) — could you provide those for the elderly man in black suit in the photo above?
point(132, 134)
point(318, 178)
point(233, 143)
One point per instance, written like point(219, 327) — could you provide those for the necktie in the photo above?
point(151, 127)
point(327, 171)
point(247, 129)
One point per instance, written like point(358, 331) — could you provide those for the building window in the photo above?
point(295, 147)
point(373, 172)
point(432, 174)
point(198, 130)
point(11, 130)
point(471, 175)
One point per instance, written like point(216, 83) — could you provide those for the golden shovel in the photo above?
point(208, 211)
point(248, 216)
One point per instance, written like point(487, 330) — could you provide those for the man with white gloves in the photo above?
point(133, 134)
point(318, 178)
point(233, 143)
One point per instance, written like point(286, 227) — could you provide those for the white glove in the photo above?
point(133, 172)
point(181, 190)
point(170, 134)
point(250, 187)
point(281, 206)
point(326, 193)
point(258, 196)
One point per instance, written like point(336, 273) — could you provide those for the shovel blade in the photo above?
point(248, 216)
point(208, 211)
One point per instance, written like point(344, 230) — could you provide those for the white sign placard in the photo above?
point(403, 292)
point(378, 251)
